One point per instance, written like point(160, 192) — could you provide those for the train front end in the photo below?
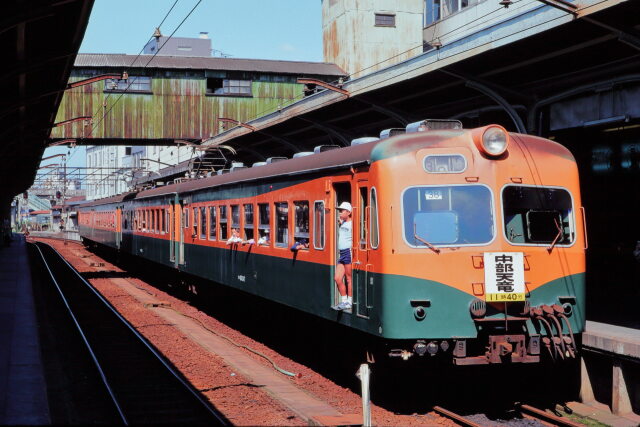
point(483, 258)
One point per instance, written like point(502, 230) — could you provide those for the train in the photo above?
point(468, 244)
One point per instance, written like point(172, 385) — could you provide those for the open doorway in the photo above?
point(341, 193)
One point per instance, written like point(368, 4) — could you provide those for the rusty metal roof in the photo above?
point(201, 63)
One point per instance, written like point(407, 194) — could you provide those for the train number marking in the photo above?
point(242, 278)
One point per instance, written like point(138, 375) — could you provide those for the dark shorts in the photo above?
point(345, 256)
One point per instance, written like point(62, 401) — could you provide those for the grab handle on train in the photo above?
point(584, 227)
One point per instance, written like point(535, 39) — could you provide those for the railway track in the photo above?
point(523, 411)
point(142, 386)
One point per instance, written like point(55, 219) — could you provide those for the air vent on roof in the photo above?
point(258, 164)
point(236, 164)
point(223, 171)
point(237, 168)
point(323, 148)
point(364, 140)
point(275, 159)
point(433, 124)
point(388, 133)
point(302, 154)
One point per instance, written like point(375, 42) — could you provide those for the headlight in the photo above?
point(494, 141)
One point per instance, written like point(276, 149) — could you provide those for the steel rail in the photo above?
point(539, 413)
point(457, 418)
point(143, 340)
point(84, 338)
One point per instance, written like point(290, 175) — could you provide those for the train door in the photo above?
point(361, 266)
point(118, 221)
point(183, 218)
point(171, 223)
point(341, 193)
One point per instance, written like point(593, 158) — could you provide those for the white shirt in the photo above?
point(345, 238)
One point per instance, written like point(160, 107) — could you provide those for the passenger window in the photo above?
point(212, 223)
point(362, 215)
point(203, 223)
point(264, 226)
point(282, 224)
point(248, 222)
point(186, 217)
point(318, 225)
point(195, 222)
point(144, 220)
point(301, 229)
point(235, 218)
point(373, 219)
point(223, 223)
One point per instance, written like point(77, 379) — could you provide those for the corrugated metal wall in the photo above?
point(177, 108)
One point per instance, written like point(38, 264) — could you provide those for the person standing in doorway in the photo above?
point(343, 268)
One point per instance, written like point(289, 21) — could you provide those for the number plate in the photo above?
point(504, 276)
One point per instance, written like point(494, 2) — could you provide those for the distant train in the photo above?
point(468, 245)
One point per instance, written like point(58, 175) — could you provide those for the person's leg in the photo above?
point(347, 273)
point(339, 279)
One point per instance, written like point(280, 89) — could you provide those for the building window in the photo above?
point(385, 20)
point(248, 222)
point(134, 84)
point(435, 10)
point(301, 230)
point(228, 87)
point(282, 224)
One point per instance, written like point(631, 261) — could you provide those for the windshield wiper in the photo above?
point(429, 245)
point(550, 248)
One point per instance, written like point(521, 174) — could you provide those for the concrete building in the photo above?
point(362, 36)
point(107, 168)
point(179, 46)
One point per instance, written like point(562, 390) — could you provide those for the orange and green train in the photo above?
point(467, 244)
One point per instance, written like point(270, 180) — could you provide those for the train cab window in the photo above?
point(264, 225)
point(203, 223)
point(212, 223)
point(538, 215)
point(223, 223)
point(456, 215)
point(362, 218)
point(301, 224)
point(282, 224)
point(195, 222)
point(374, 236)
point(248, 222)
point(318, 225)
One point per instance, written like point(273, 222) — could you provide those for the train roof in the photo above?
point(341, 158)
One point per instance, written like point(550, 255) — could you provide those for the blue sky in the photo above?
point(262, 29)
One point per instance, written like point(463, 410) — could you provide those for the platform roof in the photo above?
point(526, 62)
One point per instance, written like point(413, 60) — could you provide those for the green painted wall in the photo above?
point(177, 108)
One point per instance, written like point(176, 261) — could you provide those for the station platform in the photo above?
point(23, 397)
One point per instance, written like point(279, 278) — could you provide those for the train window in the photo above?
point(248, 222)
point(445, 163)
point(264, 226)
point(212, 223)
point(362, 216)
point(154, 223)
point(223, 223)
point(144, 220)
point(455, 215)
point(186, 217)
point(235, 216)
point(538, 215)
point(282, 224)
point(374, 237)
point(301, 224)
point(203, 223)
point(167, 220)
point(318, 225)
point(195, 222)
